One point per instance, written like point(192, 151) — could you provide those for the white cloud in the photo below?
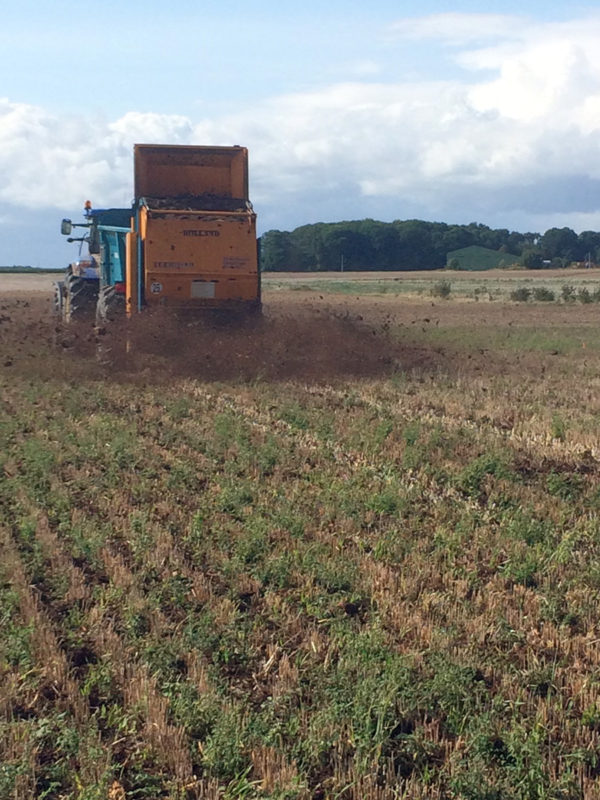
point(554, 78)
point(150, 127)
point(47, 160)
point(486, 144)
point(364, 69)
point(456, 28)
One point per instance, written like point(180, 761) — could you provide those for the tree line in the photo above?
point(415, 245)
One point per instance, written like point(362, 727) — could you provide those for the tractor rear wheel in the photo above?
point(110, 306)
point(111, 340)
point(79, 298)
point(58, 299)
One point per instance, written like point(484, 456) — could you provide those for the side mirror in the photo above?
point(66, 227)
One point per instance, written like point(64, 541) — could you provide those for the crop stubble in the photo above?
point(336, 553)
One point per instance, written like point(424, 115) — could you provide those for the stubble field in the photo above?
point(349, 551)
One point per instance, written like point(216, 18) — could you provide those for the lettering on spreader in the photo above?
point(173, 265)
point(200, 232)
point(230, 262)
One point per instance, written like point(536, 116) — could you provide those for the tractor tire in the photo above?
point(58, 299)
point(111, 339)
point(79, 299)
point(110, 306)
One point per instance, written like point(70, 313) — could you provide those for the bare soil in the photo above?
point(458, 312)
point(301, 336)
point(294, 340)
point(17, 283)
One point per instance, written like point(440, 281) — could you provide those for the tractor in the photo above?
point(187, 244)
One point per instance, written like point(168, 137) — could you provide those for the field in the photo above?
point(495, 284)
point(349, 551)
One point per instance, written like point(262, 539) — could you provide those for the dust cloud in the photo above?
point(304, 342)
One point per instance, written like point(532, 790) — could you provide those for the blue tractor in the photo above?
point(94, 286)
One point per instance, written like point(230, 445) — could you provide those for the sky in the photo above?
point(469, 112)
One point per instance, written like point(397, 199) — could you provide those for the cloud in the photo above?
point(365, 68)
point(456, 28)
point(151, 127)
point(517, 137)
point(49, 160)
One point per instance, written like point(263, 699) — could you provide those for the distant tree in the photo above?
point(560, 243)
point(485, 236)
point(347, 246)
point(497, 239)
point(532, 259)
point(386, 246)
point(275, 251)
point(518, 242)
point(414, 244)
point(416, 250)
point(456, 237)
point(307, 245)
point(589, 244)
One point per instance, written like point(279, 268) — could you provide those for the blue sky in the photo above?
point(469, 112)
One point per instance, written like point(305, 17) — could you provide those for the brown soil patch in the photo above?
point(295, 342)
point(301, 336)
point(446, 313)
point(15, 284)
